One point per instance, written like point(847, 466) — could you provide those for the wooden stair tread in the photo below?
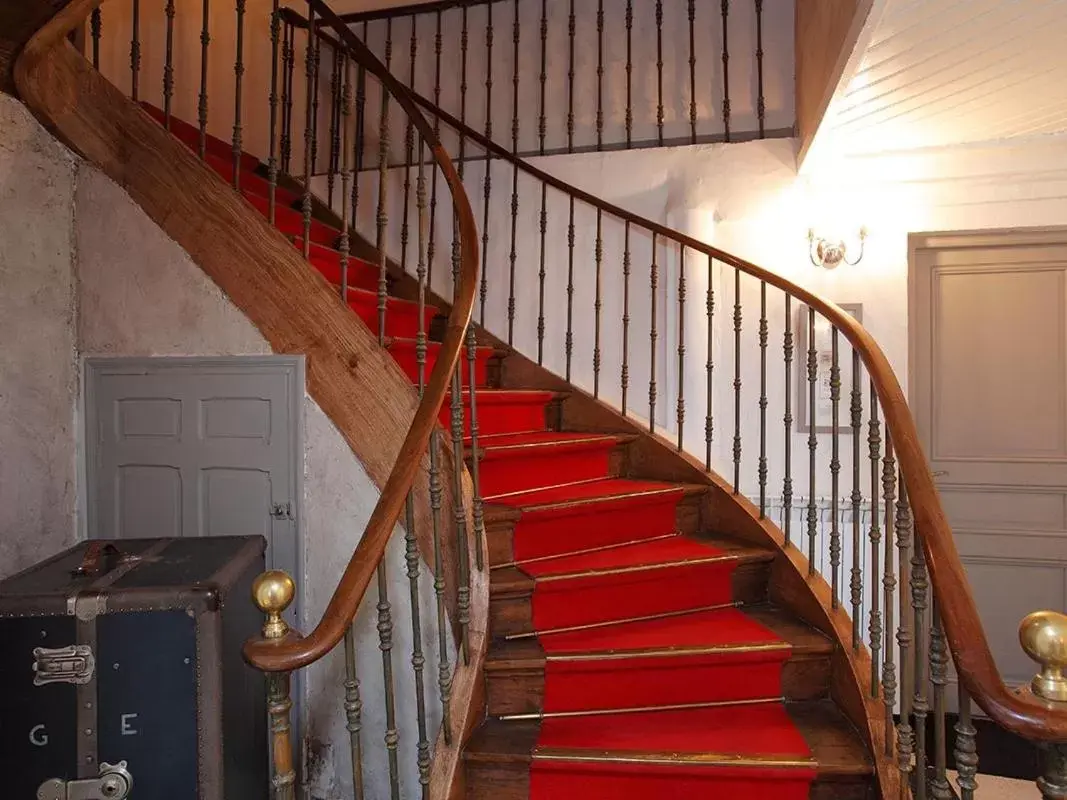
point(609, 490)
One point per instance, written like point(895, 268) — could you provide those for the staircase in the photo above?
point(651, 632)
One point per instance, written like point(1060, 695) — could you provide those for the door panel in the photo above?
point(988, 328)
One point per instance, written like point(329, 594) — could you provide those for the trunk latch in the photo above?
point(113, 783)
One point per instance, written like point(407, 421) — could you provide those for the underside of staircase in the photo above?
point(635, 648)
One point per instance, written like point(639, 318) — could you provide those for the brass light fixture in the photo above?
point(829, 254)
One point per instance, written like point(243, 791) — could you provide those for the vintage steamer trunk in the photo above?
point(131, 651)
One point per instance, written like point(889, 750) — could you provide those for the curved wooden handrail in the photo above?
point(296, 652)
point(1016, 711)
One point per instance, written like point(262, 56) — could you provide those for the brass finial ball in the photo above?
point(273, 591)
point(1043, 635)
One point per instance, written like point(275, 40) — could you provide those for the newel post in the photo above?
point(272, 593)
point(1043, 636)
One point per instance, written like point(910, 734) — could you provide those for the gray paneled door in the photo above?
point(196, 447)
point(988, 316)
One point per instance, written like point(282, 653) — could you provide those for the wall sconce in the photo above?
point(830, 255)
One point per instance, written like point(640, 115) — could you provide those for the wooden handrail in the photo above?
point(296, 652)
point(1017, 711)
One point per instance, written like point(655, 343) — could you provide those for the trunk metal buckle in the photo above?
point(113, 783)
point(72, 664)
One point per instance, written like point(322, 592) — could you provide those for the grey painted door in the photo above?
point(195, 447)
point(989, 392)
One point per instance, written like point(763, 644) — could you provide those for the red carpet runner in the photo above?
point(655, 685)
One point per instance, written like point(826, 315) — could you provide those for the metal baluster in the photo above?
point(787, 421)
point(444, 670)
point(353, 713)
point(835, 470)
point(874, 629)
point(94, 32)
point(569, 340)
point(238, 78)
point(335, 130)
point(737, 380)
point(345, 111)
point(385, 644)
point(459, 514)
point(205, 40)
point(856, 582)
point(571, 28)
point(431, 246)
point(360, 137)
point(464, 44)
point(629, 73)
point(653, 282)
point(597, 303)
point(488, 188)
point(921, 705)
point(272, 151)
point(514, 176)
point(600, 75)
point(726, 68)
point(272, 592)
point(939, 786)
point(315, 106)
point(966, 751)
point(889, 584)
point(692, 72)
point(813, 442)
point(310, 62)
point(285, 145)
point(135, 50)
point(709, 367)
point(168, 64)
point(624, 374)
point(762, 464)
point(905, 733)
point(542, 120)
point(541, 275)
point(681, 346)
point(383, 188)
point(659, 71)
point(409, 146)
point(761, 106)
point(478, 512)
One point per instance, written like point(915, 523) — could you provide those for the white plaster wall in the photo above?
point(38, 370)
point(141, 295)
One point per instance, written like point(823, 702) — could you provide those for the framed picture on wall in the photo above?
point(823, 346)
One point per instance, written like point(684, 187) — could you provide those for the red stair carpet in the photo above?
point(656, 686)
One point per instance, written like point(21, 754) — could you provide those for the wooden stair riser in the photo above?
point(522, 470)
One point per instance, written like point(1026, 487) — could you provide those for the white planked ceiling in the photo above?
point(945, 72)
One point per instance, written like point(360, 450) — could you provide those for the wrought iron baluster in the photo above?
point(95, 26)
point(692, 72)
point(444, 669)
point(335, 130)
point(761, 106)
point(238, 78)
point(409, 147)
point(459, 513)
point(835, 470)
point(856, 581)
point(542, 120)
point(310, 63)
point(464, 46)
point(314, 102)
point(360, 137)
point(905, 733)
point(629, 73)
point(763, 338)
point(659, 71)
point(135, 50)
point(272, 148)
point(939, 786)
point(921, 705)
point(709, 366)
point(202, 107)
point(353, 714)
point(624, 374)
point(385, 638)
point(726, 68)
point(966, 751)
point(681, 347)
point(600, 75)
point(288, 57)
point(813, 441)
point(787, 422)
point(431, 246)
point(168, 64)
point(569, 340)
point(653, 282)
point(383, 189)
point(488, 188)
point(345, 111)
point(889, 584)
point(514, 175)
point(279, 707)
point(737, 380)
point(571, 29)
point(598, 256)
point(874, 443)
point(541, 275)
